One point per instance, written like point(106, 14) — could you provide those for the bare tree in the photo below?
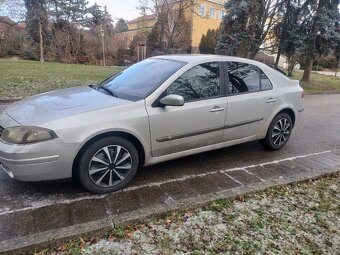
point(172, 30)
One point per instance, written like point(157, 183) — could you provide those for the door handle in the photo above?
point(271, 100)
point(217, 109)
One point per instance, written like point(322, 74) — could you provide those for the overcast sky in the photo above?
point(119, 8)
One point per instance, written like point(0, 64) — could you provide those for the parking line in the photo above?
point(153, 184)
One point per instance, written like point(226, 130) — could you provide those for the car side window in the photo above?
point(265, 82)
point(199, 82)
point(243, 78)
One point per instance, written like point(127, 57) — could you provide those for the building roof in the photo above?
point(142, 18)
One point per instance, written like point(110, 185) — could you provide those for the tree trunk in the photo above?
point(41, 44)
point(311, 44)
point(336, 67)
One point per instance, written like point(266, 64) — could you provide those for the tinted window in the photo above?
point(265, 82)
point(200, 82)
point(139, 80)
point(243, 78)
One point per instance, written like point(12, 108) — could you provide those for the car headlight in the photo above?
point(24, 135)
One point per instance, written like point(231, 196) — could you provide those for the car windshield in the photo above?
point(139, 80)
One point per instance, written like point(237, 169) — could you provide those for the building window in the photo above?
point(201, 10)
point(222, 13)
point(212, 13)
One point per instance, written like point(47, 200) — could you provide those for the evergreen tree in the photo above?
point(246, 26)
point(209, 41)
point(322, 33)
point(37, 22)
point(121, 26)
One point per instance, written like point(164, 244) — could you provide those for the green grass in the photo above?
point(21, 78)
point(319, 83)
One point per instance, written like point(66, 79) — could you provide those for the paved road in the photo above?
point(317, 131)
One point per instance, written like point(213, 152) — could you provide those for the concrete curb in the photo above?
point(56, 237)
point(10, 100)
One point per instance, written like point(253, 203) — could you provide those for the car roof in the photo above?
point(193, 58)
point(199, 58)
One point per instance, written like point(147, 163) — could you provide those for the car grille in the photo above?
point(1, 130)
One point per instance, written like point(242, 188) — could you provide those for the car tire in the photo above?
point(278, 133)
point(107, 165)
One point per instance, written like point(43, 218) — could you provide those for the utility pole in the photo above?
point(41, 44)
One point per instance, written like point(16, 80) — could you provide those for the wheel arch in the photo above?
point(133, 139)
point(290, 112)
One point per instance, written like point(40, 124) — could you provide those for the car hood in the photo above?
point(40, 109)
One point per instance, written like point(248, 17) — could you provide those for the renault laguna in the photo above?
point(160, 109)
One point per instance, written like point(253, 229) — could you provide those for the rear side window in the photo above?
point(243, 78)
point(265, 82)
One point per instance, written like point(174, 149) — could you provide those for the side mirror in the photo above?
point(172, 100)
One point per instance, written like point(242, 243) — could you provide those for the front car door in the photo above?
point(250, 100)
point(200, 121)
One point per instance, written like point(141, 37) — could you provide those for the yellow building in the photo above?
point(204, 15)
point(137, 28)
point(208, 15)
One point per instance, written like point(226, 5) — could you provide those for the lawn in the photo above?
point(20, 78)
point(293, 219)
point(319, 83)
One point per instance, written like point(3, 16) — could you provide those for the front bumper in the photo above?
point(49, 160)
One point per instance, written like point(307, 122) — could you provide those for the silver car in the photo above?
point(160, 109)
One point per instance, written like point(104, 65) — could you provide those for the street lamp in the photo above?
point(103, 41)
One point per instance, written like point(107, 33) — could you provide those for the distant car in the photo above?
point(160, 109)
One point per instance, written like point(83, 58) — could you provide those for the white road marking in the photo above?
point(5, 211)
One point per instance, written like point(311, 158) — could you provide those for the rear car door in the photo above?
point(250, 100)
point(200, 121)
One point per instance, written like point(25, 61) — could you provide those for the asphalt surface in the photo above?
point(318, 130)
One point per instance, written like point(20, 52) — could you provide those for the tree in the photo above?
point(121, 26)
point(14, 9)
point(209, 41)
point(322, 29)
point(37, 22)
point(246, 26)
point(291, 32)
point(171, 33)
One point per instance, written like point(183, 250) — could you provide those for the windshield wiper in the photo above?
point(108, 91)
point(95, 87)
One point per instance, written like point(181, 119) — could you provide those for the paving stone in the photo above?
point(324, 161)
point(177, 191)
point(150, 196)
point(123, 201)
point(331, 156)
point(243, 177)
point(292, 167)
point(202, 185)
point(34, 221)
point(223, 181)
point(265, 173)
point(310, 163)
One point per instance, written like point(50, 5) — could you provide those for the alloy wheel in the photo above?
point(110, 166)
point(281, 131)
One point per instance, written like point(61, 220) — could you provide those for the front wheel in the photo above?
point(278, 132)
point(108, 165)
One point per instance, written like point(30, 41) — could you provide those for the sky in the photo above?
point(125, 9)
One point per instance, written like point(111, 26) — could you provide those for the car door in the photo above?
point(248, 105)
point(200, 121)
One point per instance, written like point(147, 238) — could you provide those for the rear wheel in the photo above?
point(278, 132)
point(108, 165)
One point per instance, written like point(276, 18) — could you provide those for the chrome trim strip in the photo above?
point(201, 132)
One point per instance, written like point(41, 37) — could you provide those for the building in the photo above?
point(136, 28)
point(208, 15)
point(204, 15)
